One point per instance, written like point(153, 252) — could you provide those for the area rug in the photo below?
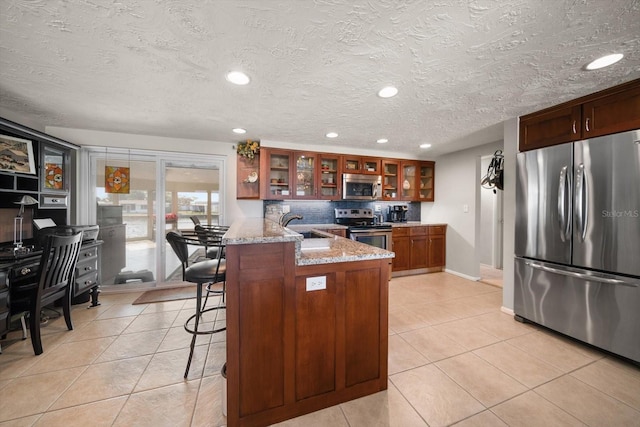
point(164, 295)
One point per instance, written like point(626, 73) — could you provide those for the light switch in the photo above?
point(316, 283)
point(465, 208)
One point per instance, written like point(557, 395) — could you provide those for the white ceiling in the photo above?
point(157, 67)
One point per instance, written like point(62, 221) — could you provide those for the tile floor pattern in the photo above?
point(454, 358)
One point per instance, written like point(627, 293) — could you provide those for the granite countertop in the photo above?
point(333, 248)
point(411, 224)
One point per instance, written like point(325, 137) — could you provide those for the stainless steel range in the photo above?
point(364, 227)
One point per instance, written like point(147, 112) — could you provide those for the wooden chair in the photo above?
point(55, 281)
point(209, 271)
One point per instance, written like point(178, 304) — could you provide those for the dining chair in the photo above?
point(55, 281)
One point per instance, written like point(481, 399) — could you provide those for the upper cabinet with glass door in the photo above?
point(54, 174)
point(276, 174)
point(304, 175)
point(426, 181)
point(330, 177)
point(363, 165)
point(390, 180)
point(409, 181)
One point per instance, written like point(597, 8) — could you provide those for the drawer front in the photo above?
point(88, 254)
point(86, 266)
point(85, 282)
point(437, 229)
point(419, 231)
point(400, 231)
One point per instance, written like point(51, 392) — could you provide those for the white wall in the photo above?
point(509, 199)
point(233, 208)
point(457, 184)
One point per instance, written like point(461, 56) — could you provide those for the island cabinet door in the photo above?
point(258, 362)
point(315, 332)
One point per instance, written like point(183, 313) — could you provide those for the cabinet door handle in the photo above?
point(573, 127)
point(586, 125)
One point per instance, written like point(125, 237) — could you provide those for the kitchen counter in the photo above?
point(307, 326)
point(411, 224)
point(338, 249)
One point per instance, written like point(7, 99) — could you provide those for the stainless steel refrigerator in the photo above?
point(577, 264)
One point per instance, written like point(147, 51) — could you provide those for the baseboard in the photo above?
point(465, 276)
point(508, 311)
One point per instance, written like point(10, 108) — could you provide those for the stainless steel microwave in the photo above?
point(361, 187)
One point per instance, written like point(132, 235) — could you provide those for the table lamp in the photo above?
point(17, 221)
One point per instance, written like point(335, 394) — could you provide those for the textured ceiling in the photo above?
point(157, 67)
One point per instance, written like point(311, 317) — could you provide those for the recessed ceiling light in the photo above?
point(331, 135)
point(425, 145)
point(388, 92)
point(382, 140)
point(238, 78)
point(605, 61)
point(239, 130)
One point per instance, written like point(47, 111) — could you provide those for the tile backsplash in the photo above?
point(322, 212)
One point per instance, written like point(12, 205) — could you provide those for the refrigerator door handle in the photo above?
point(564, 204)
point(583, 276)
point(582, 202)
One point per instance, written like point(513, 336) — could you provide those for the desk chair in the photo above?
point(209, 271)
point(55, 279)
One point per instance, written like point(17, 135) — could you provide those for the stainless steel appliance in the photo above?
point(577, 265)
point(397, 213)
point(363, 227)
point(361, 187)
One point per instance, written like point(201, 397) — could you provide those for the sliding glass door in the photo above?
point(141, 195)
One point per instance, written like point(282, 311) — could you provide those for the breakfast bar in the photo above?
point(306, 321)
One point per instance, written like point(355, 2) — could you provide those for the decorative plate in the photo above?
point(253, 177)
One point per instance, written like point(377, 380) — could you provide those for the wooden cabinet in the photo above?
point(391, 179)
point(419, 253)
point(305, 175)
point(288, 174)
point(610, 111)
point(360, 164)
point(276, 174)
point(437, 246)
point(426, 181)
point(248, 177)
point(419, 249)
point(401, 246)
point(409, 179)
point(337, 231)
point(292, 350)
point(330, 180)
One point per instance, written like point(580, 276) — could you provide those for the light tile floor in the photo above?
point(454, 358)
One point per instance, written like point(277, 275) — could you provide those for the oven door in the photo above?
point(378, 238)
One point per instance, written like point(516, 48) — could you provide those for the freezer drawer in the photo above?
point(598, 309)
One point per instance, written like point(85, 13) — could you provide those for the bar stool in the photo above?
point(209, 271)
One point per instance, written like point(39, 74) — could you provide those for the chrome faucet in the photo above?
point(288, 217)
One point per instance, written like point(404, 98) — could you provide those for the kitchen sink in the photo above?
point(314, 244)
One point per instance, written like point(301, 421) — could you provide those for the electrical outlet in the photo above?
point(465, 208)
point(316, 283)
point(378, 208)
point(286, 209)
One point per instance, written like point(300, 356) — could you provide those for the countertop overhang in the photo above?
point(258, 230)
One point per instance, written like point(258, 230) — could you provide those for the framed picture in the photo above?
point(16, 155)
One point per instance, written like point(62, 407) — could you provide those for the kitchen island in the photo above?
point(307, 322)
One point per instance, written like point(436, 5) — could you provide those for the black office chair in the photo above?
point(55, 281)
point(209, 271)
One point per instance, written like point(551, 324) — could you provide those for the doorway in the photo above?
point(164, 191)
point(491, 229)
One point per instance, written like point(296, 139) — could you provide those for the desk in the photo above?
point(20, 269)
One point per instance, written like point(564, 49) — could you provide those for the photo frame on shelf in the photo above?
point(16, 155)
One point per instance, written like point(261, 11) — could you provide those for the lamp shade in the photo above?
point(26, 200)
